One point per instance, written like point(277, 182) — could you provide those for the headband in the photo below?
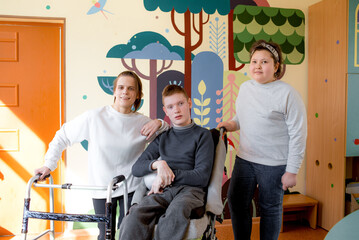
point(271, 49)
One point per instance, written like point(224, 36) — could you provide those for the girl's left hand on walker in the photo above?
point(150, 128)
point(289, 180)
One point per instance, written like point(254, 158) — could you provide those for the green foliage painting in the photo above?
point(286, 27)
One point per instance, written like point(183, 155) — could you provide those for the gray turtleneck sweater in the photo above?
point(187, 150)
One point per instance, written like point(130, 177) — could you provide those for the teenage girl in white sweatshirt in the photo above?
point(117, 135)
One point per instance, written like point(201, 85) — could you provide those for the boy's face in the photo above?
point(178, 109)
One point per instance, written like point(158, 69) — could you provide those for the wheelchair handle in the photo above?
point(222, 130)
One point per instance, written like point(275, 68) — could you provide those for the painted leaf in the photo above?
point(206, 102)
point(197, 121)
point(197, 101)
point(202, 87)
point(206, 111)
point(205, 121)
point(197, 111)
point(106, 83)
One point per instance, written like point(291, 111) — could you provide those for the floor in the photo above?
point(298, 230)
point(292, 231)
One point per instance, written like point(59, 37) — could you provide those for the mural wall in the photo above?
point(200, 45)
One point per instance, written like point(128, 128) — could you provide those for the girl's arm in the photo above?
point(71, 132)
point(154, 128)
point(230, 126)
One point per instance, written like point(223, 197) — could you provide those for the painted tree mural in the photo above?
point(155, 48)
point(193, 23)
point(207, 79)
point(233, 3)
point(283, 26)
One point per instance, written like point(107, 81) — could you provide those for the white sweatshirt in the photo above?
point(273, 124)
point(114, 145)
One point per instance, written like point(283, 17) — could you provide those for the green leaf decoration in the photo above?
point(280, 25)
point(202, 87)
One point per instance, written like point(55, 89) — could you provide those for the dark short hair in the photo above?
point(269, 46)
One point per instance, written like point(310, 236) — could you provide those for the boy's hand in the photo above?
point(164, 172)
point(157, 186)
point(44, 171)
point(151, 128)
point(289, 180)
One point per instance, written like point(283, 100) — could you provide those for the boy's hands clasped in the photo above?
point(165, 176)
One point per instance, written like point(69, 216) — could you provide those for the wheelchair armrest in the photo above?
point(139, 193)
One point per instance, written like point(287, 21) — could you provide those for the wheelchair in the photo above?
point(204, 227)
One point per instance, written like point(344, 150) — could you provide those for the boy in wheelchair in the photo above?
point(182, 176)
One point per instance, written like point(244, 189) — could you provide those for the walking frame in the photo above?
point(52, 216)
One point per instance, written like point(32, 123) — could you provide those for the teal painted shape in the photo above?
point(85, 144)
point(352, 116)
point(283, 26)
point(353, 48)
point(154, 51)
point(106, 83)
point(345, 229)
point(194, 6)
point(139, 41)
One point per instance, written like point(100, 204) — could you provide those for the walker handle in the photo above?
point(118, 179)
point(38, 176)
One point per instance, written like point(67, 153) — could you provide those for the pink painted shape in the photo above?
point(262, 3)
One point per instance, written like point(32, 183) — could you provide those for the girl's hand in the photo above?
point(289, 180)
point(230, 126)
point(44, 171)
point(151, 128)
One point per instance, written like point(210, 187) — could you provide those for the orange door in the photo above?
point(30, 114)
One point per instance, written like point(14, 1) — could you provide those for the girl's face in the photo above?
point(262, 67)
point(125, 94)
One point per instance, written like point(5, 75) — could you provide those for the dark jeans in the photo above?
point(100, 208)
point(245, 177)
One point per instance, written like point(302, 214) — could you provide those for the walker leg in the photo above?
point(109, 222)
point(25, 219)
